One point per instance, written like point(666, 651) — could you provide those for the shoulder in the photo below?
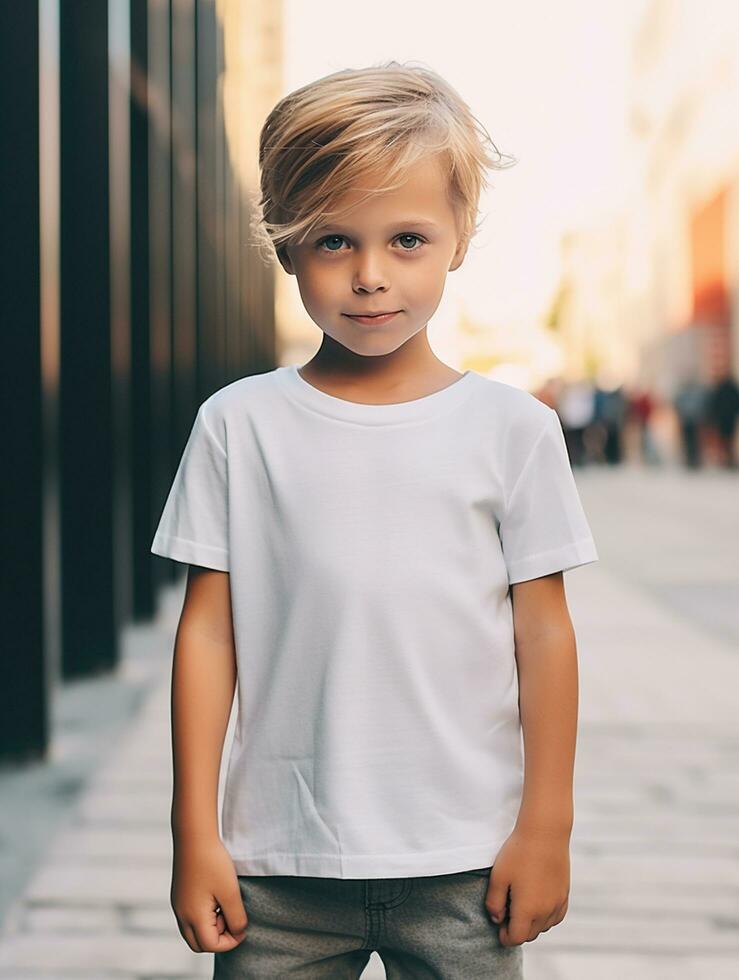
point(516, 426)
point(239, 394)
point(517, 414)
point(236, 400)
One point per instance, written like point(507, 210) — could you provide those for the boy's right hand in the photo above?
point(206, 898)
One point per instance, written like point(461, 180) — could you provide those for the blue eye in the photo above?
point(328, 238)
point(340, 238)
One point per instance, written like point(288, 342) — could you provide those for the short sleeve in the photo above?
point(193, 527)
point(544, 528)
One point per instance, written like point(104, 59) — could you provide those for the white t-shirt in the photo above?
point(370, 551)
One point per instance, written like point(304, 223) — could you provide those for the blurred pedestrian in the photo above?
point(691, 405)
point(641, 407)
point(610, 414)
point(723, 409)
point(575, 407)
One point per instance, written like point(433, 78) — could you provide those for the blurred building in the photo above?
point(129, 294)
point(652, 293)
point(686, 93)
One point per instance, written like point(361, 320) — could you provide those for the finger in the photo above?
point(190, 938)
point(206, 935)
point(561, 911)
point(212, 936)
point(226, 940)
point(505, 937)
point(552, 919)
point(233, 912)
point(517, 929)
point(496, 900)
point(534, 931)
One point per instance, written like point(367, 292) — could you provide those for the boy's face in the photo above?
point(391, 253)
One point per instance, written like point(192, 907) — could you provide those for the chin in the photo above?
point(372, 347)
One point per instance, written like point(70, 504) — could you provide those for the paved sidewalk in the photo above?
point(655, 855)
point(98, 905)
point(655, 861)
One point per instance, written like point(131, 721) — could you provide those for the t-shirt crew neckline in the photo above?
point(428, 406)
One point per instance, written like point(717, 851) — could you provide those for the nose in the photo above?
point(369, 274)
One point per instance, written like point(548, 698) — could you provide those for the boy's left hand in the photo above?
point(535, 866)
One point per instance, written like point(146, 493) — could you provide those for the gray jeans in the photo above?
point(326, 929)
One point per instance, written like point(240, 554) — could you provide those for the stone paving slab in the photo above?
point(95, 953)
point(616, 965)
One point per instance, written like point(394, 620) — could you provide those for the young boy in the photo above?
point(376, 545)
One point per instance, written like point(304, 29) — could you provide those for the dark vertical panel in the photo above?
point(88, 633)
point(210, 337)
point(160, 264)
point(141, 406)
point(257, 317)
point(49, 152)
point(23, 697)
point(221, 177)
point(256, 306)
point(232, 263)
point(184, 220)
point(246, 288)
point(119, 140)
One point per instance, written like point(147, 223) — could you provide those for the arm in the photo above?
point(546, 657)
point(534, 861)
point(203, 682)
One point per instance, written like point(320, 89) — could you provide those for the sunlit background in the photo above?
point(604, 279)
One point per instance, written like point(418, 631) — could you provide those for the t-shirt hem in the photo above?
point(572, 555)
point(190, 552)
point(421, 864)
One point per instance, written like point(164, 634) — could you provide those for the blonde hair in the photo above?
point(321, 139)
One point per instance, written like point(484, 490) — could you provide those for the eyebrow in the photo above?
point(404, 223)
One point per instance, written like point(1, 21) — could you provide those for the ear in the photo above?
point(285, 260)
point(459, 255)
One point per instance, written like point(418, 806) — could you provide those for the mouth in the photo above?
point(372, 318)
